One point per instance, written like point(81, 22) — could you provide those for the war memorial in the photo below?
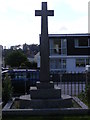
point(44, 99)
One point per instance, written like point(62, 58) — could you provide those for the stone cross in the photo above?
point(44, 42)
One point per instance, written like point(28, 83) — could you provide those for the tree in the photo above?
point(31, 65)
point(34, 65)
point(7, 89)
point(15, 58)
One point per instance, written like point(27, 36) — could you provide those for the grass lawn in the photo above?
point(49, 118)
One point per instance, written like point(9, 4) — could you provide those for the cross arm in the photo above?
point(38, 13)
point(50, 12)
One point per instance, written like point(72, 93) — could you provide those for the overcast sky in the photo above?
point(18, 24)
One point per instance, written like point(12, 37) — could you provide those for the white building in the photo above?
point(68, 52)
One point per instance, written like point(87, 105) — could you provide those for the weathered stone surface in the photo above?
point(31, 107)
point(46, 112)
point(44, 42)
point(45, 94)
point(48, 103)
point(45, 89)
point(45, 85)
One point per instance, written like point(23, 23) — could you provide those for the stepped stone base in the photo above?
point(46, 104)
point(41, 85)
point(45, 94)
point(45, 91)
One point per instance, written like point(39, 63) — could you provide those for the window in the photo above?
point(76, 42)
point(88, 61)
point(63, 46)
point(84, 42)
point(52, 63)
point(64, 51)
point(63, 63)
point(89, 42)
point(55, 46)
point(51, 43)
point(58, 63)
point(55, 63)
point(58, 47)
point(82, 62)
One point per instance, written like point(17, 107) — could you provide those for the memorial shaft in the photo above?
point(44, 42)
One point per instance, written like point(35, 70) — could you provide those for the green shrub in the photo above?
point(7, 89)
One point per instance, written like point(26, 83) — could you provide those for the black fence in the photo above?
point(70, 83)
point(69, 77)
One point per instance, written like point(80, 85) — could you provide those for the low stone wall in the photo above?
point(47, 112)
point(42, 104)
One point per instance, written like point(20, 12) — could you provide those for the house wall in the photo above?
point(72, 52)
point(71, 66)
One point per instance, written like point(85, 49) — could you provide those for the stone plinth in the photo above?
point(41, 85)
point(45, 91)
point(45, 94)
point(48, 103)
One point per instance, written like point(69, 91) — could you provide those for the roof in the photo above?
point(72, 35)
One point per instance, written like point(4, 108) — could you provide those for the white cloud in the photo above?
point(78, 5)
point(19, 32)
point(77, 26)
point(18, 23)
point(3, 6)
point(23, 5)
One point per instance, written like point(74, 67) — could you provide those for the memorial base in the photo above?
point(47, 104)
point(44, 95)
point(45, 91)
